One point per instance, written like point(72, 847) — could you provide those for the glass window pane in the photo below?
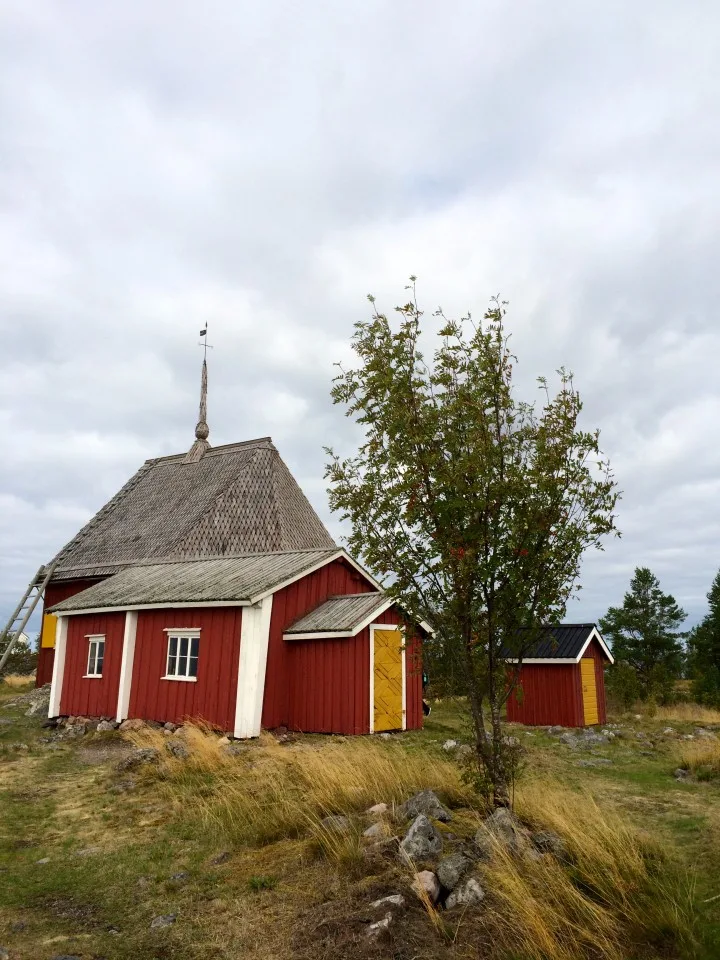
point(182, 664)
point(194, 645)
point(172, 649)
point(172, 666)
point(192, 667)
point(91, 658)
point(99, 656)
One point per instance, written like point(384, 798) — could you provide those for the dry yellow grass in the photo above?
point(701, 758)
point(683, 713)
point(620, 889)
point(269, 791)
point(15, 680)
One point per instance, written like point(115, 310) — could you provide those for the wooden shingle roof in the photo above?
point(240, 579)
point(339, 615)
point(239, 498)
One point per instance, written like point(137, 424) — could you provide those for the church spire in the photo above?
point(202, 430)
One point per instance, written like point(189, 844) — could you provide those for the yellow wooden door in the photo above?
point(387, 673)
point(589, 689)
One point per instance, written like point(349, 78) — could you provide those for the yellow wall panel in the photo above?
point(47, 637)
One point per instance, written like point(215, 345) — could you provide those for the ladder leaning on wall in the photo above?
point(24, 610)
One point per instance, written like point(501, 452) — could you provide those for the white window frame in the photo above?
point(387, 626)
point(94, 639)
point(183, 633)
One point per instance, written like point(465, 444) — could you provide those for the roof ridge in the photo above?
point(221, 450)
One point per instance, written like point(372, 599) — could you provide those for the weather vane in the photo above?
point(204, 343)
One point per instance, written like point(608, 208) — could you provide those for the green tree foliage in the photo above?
point(645, 635)
point(704, 651)
point(473, 505)
point(22, 659)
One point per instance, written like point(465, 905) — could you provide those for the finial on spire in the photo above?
point(202, 430)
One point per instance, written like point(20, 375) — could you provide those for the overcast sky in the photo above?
point(262, 167)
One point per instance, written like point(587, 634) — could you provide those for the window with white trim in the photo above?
point(96, 655)
point(182, 654)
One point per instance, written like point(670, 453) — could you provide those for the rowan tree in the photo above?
point(473, 505)
point(645, 634)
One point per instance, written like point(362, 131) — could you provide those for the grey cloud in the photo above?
point(263, 167)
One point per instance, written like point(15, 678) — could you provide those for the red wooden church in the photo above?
point(208, 588)
point(562, 681)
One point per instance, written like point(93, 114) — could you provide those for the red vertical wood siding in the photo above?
point(213, 697)
point(289, 604)
point(92, 696)
point(329, 689)
point(552, 694)
point(55, 593)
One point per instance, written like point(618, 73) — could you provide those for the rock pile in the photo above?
point(451, 878)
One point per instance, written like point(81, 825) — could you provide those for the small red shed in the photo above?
point(562, 681)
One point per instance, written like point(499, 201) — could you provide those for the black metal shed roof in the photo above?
point(564, 641)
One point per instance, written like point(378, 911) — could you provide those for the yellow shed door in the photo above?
point(387, 674)
point(589, 690)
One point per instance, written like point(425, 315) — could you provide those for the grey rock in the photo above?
point(221, 858)
point(138, 758)
point(555, 731)
point(88, 852)
point(388, 847)
point(172, 727)
point(451, 869)
point(177, 749)
point(377, 810)
point(449, 745)
point(167, 921)
point(507, 830)
point(376, 831)
point(180, 876)
point(468, 894)
point(134, 723)
point(688, 736)
point(421, 841)
point(18, 926)
point(426, 884)
point(105, 726)
point(384, 903)
point(386, 736)
point(595, 762)
point(705, 734)
point(4, 955)
point(545, 841)
point(379, 927)
point(44, 860)
point(668, 731)
point(681, 774)
point(464, 751)
point(425, 802)
point(570, 739)
point(123, 786)
point(337, 824)
point(483, 844)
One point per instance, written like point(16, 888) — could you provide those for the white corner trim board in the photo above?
point(58, 666)
point(126, 665)
point(254, 640)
